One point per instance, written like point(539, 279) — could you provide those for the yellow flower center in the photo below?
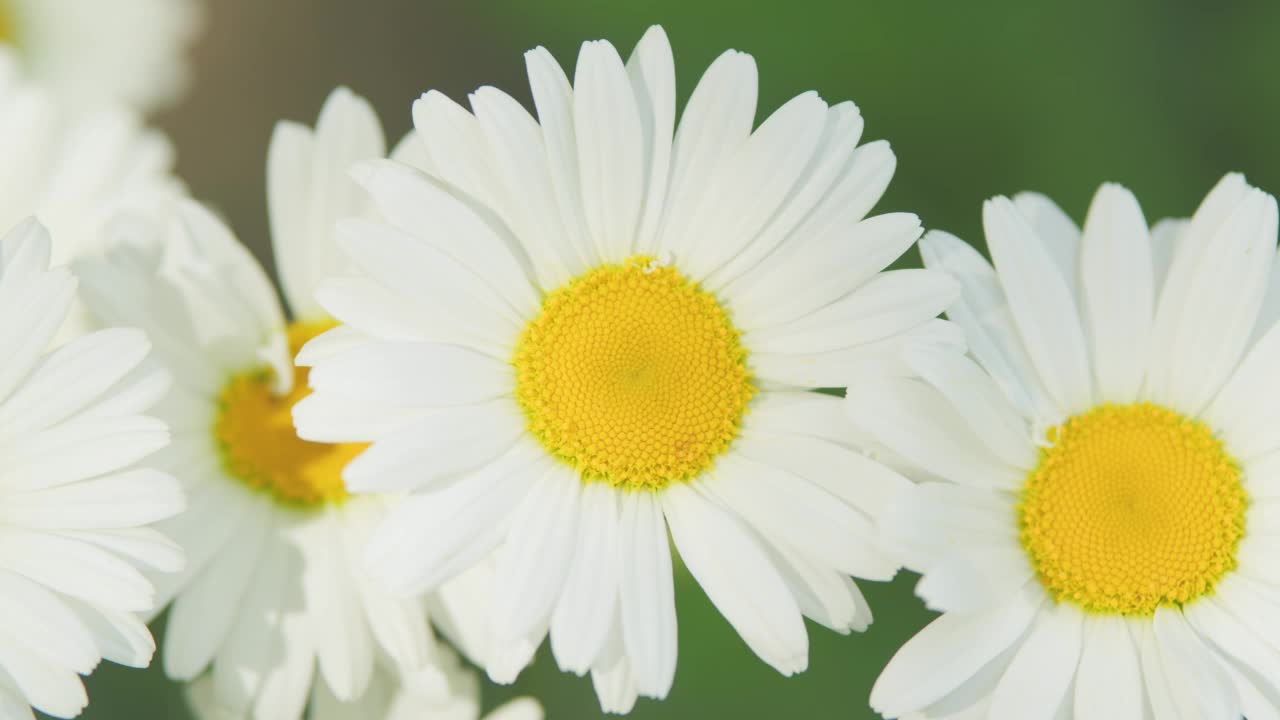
point(6, 22)
point(1132, 507)
point(254, 432)
point(633, 375)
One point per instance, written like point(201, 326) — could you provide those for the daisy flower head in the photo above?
point(443, 691)
point(77, 174)
point(575, 333)
point(1095, 515)
point(272, 590)
point(92, 54)
point(76, 508)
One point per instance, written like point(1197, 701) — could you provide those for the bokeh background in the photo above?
point(977, 99)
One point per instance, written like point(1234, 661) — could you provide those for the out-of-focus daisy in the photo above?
point(75, 508)
point(77, 175)
point(93, 54)
point(577, 332)
point(1097, 515)
point(442, 691)
point(272, 588)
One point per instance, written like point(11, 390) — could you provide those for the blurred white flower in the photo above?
point(75, 506)
point(95, 53)
point(273, 589)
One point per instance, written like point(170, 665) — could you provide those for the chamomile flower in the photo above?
point(575, 333)
point(272, 590)
point(93, 54)
point(76, 509)
point(1096, 514)
point(77, 175)
point(443, 691)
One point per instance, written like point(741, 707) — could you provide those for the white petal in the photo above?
point(831, 185)
point(1198, 685)
point(948, 652)
point(790, 511)
point(441, 445)
point(553, 97)
point(587, 606)
point(420, 206)
point(125, 499)
point(1237, 640)
point(838, 368)
point(610, 139)
point(611, 676)
point(1108, 681)
point(977, 400)
point(754, 184)
point(1043, 309)
point(429, 538)
point(1210, 301)
point(456, 147)
point(648, 608)
point(1245, 412)
point(972, 577)
point(403, 374)
point(203, 616)
point(889, 304)
point(915, 421)
point(78, 449)
point(532, 211)
point(450, 298)
point(308, 188)
point(797, 280)
point(1057, 231)
point(334, 617)
point(39, 620)
point(50, 688)
point(983, 312)
point(859, 481)
point(653, 78)
point(74, 376)
point(75, 568)
point(738, 578)
point(1118, 293)
point(1043, 670)
point(716, 122)
point(120, 636)
point(535, 557)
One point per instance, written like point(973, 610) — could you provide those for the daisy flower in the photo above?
point(75, 508)
point(77, 175)
point(92, 53)
point(444, 691)
point(271, 590)
point(576, 333)
point(1096, 519)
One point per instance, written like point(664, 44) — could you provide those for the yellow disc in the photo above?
point(633, 375)
point(255, 434)
point(1132, 507)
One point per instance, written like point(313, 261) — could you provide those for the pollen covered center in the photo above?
point(255, 435)
point(1132, 507)
point(6, 22)
point(633, 375)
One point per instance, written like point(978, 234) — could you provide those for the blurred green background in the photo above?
point(977, 99)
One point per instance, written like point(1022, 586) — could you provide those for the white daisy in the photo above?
point(77, 175)
point(271, 590)
point(75, 508)
point(93, 54)
point(445, 691)
point(1097, 518)
point(576, 332)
